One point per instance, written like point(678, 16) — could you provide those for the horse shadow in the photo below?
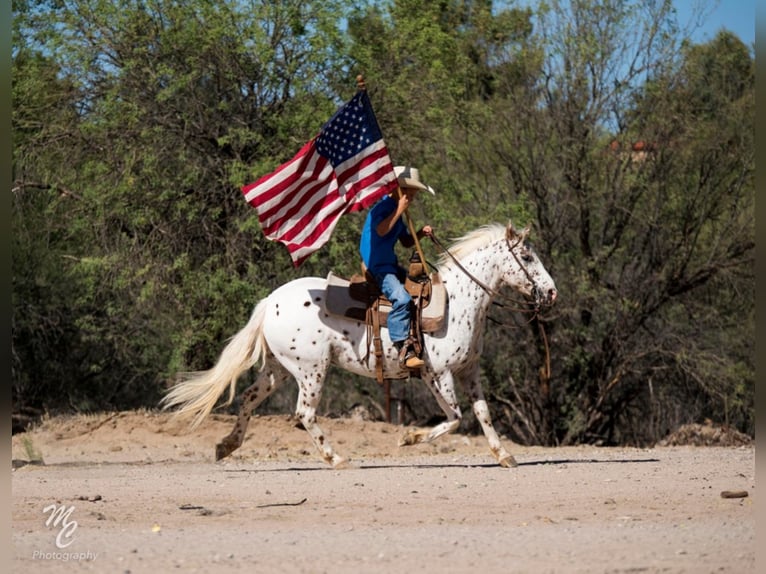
point(446, 465)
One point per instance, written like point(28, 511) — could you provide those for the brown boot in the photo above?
point(407, 356)
point(412, 361)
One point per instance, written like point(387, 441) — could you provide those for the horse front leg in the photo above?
point(481, 410)
point(443, 388)
point(267, 382)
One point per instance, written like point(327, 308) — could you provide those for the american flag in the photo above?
point(345, 168)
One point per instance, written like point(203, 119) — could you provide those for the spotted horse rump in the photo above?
point(292, 334)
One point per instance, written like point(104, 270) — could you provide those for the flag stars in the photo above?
point(348, 133)
point(352, 139)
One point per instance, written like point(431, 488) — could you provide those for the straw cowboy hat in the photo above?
point(410, 177)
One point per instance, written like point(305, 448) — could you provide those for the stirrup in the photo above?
point(408, 358)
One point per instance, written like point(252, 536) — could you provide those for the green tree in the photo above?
point(135, 256)
point(638, 237)
point(129, 154)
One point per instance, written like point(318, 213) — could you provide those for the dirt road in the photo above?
point(128, 493)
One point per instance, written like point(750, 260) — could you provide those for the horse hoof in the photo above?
point(410, 437)
point(508, 462)
point(339, 463)
point(342, 464)
point(222, 450)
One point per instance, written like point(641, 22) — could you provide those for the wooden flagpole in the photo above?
point(414, 236)
point(361, 86)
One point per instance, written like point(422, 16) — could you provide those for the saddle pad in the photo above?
point(340, 302)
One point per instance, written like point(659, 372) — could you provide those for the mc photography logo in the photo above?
point(61, 518)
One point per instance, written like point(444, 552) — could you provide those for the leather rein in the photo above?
point(546, 372)
point(516, 305)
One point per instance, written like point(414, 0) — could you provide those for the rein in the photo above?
point(516, 305)
point(546, 371)
point(535, 289)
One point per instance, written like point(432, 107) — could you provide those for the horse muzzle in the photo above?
point(542, 298)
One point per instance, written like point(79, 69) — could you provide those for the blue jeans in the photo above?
point(399, 316)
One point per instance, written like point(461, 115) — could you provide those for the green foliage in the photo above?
point(135, 256)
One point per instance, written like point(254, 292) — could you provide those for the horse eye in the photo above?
point(527, 258)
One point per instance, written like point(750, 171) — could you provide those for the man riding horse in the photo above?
point(382, 229)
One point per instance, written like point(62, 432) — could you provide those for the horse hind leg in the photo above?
point(272, 375)
point(309, 394)
point(443, 390)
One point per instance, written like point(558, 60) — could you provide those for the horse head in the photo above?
point(525, 272)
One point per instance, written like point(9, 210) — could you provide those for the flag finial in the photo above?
point(360, 85)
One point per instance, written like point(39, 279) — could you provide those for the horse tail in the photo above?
point(196, 393)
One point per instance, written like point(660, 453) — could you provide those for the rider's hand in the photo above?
point(404, 202)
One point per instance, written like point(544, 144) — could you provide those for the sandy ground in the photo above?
point(129, 493)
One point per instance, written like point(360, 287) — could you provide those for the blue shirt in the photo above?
point(378, 252)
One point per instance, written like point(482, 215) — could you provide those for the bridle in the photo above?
point(512, 304)
point(537, 293)
point(517, 306)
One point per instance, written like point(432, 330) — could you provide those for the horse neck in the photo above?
point(482, 264)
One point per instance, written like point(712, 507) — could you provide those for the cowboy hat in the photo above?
point(410, 177)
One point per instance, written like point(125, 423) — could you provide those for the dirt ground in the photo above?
point(130, 493)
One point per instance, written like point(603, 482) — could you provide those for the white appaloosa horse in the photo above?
point(291, 333)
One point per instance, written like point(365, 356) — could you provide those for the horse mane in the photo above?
point(472, 241)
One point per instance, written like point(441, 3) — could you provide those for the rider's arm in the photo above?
point(388, 223)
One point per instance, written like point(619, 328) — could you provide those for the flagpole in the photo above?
point(414, 235)
point(361, 86)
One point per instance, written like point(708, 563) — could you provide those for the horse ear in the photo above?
point(512, 234)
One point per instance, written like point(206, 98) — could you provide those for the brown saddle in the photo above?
point(360, 299)
point(353, 297)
